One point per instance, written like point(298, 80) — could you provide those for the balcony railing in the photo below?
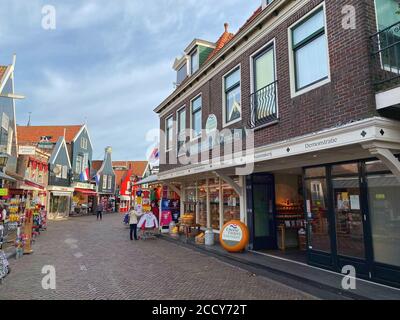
point(264, 108)
point(386, 56)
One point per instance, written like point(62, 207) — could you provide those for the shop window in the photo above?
point(202, 203)
point(309, 47)
point(384, 206)
point(190, 200)
point(213, 186)
point(317, 211)
point(231, 201)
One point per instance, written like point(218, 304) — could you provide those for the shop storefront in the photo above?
point(330, 216)
point(84, 199)
point(60, 200)
point(108, 201)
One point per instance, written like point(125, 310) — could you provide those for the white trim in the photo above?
point(346, 135)
point(6, 77)
point(293, 91)
point(265, 48)
point(84, 127)
point(268, 28)
point(232, 70)
point(167, 147)
point(192, 138)
point(63, 143)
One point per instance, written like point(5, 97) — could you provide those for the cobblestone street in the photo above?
point(96, 260)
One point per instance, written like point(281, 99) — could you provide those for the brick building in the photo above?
point(307, 95)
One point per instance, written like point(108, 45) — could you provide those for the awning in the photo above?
point(14, 175)
point(86, 192)
point(4, 176)
point(148, 180)
point(32, 184)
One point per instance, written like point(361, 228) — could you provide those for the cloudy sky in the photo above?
point(108, 63)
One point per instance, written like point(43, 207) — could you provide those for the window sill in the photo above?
point(263, 126)
point(310, 88)
point(228, 124)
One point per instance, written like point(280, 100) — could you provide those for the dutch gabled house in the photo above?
point(80, 151)
point(106, 183)
point(8, 138)
point(59, 188)
point(316, 84)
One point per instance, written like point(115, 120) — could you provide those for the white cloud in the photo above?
point(108, 62)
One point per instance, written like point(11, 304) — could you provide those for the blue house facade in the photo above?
point(106, 182)
point(59, 189)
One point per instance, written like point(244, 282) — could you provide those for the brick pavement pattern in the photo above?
point(96, 260)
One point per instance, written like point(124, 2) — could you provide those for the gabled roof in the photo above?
point(33, 134)
point(59, 145)
point(222, 41)
point(138, 167)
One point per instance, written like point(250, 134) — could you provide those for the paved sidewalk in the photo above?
point(96, 260)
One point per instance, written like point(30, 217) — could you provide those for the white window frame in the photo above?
point(195, 53)
point(178, 127)
point(167, 146)
point(105, 180)
point(59, 174)
point(292, 68)
point(109, 182)
point(81, 164)
point(194, 138)
point(272, 44)
point(224, 122)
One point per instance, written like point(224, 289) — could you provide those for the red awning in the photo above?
point(33, 184)
point(86, 191)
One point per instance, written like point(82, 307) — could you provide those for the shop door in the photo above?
point(350, 214)
point(264, 226)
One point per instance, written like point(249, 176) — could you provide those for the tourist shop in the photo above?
point(333, 202)
point(84, 198)
point(60, 200)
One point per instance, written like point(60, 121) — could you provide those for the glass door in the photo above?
point(350, 217)
point(264, 213)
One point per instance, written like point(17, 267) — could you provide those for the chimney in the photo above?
point(226, 25)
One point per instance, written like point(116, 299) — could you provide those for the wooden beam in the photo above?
point(174, 188)
point(229, 181)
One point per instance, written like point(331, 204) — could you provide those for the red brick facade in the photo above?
point(348, 97)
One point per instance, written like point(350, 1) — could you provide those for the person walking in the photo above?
point(100, 210)
point(133, 222)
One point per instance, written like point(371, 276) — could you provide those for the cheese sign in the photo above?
point(234, 236)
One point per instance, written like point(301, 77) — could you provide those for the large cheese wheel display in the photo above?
point(234, 236)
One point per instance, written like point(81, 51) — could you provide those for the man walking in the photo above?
point(100, 211)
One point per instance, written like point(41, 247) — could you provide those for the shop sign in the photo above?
point(26, 150)
point(234, 236)
point(3, 192)
point(82, 185)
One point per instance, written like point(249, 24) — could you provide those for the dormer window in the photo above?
point(181, 74)
point(194, 61)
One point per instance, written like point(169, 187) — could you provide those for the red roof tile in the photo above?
point(33, 134)
point(222, 41)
